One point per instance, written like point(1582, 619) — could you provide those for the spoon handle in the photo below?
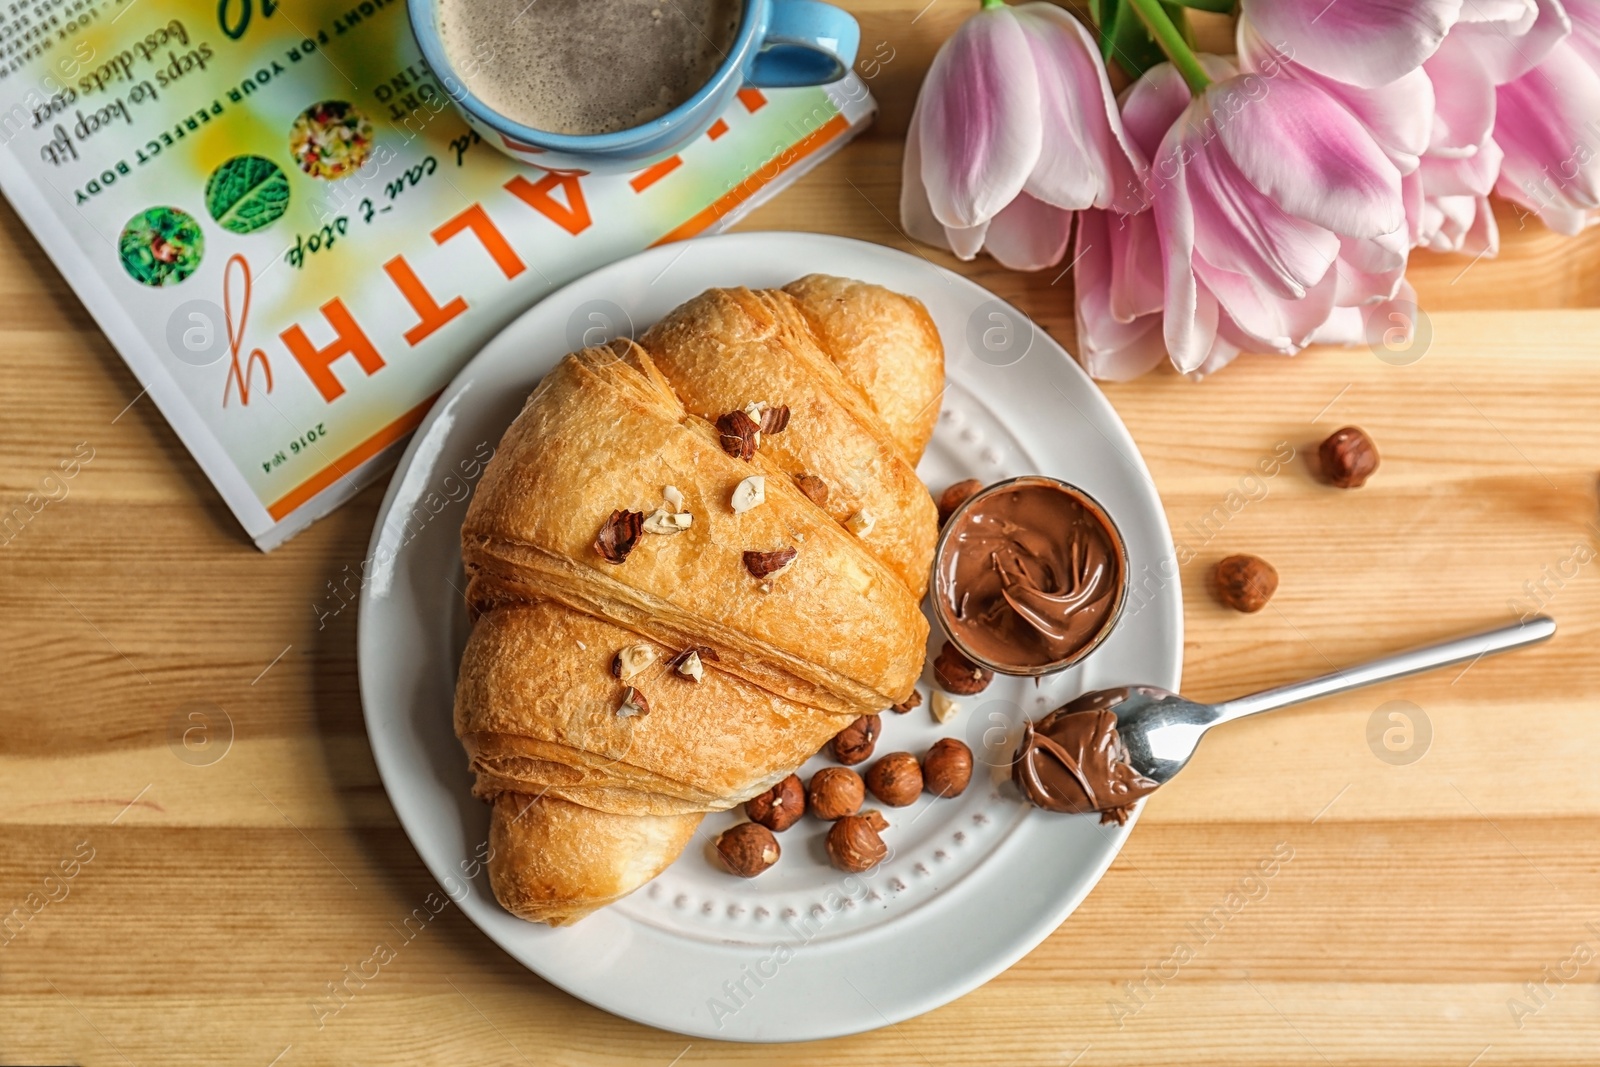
point(1529, 631)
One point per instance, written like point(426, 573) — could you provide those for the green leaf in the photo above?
point(1221, 7)
point(246, 193)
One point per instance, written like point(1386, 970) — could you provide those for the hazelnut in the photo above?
point(1246, 583)
point(854, 844)
point(633, 660)
point(748, 849)
point(854, 744)
point(1348, 457)
point(957, 674)
point(896, 779)
point(815, 489)
point(779, 807)
point(947, 768)
point(875, 819)
point(632, 703)
point(944, 707)
point(835, 793)
point(861, 523)
point(912, 701)
point(955, 496)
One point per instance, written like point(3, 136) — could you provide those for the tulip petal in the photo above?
point(1369, 269)
point(979, 120)
point(1108, 348)
point(1223, 352)
point(1363, 42)
point(1472, 175)
point(1189, 317)
point(1399, 115)
point(1086, 159)
point(1546, 125)
point(1464, 97)
point(1508, 40)
point(1029, 234)
point(1272, 323)
point(915, 214)
point(1240, 230)
point(1135, 266)
point(966, 242)
point(1308, 155)
point(1152, 104)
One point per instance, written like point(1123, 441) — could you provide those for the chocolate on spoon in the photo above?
point(1107, 749)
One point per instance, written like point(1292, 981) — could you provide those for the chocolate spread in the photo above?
point(1073, 760)
point(1028, 575)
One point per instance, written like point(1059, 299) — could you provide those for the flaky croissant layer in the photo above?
point(673, 609)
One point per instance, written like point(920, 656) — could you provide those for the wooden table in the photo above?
point(210, 906)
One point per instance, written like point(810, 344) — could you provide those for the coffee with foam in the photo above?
point(586, 66)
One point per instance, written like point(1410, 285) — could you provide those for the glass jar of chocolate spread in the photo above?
point(1030, 576)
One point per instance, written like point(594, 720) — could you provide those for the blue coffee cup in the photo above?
point(780, 44)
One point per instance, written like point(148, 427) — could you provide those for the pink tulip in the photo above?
point(1274, 205)
point(1548, 123)
point(1015, 128)
point(1365, 43)
point(1495, 41)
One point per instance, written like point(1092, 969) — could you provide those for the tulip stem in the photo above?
point(1171, 42)
point(987, 4)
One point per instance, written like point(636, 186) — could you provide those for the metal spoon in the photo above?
point(1161, 730)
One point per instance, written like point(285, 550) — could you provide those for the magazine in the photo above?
point(273, 210)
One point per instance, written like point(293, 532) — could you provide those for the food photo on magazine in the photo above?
point(617, 531)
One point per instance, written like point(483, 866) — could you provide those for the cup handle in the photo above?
point(807, 42)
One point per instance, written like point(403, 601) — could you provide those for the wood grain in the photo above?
point(1420, 899)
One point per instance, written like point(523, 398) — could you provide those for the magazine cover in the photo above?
point(277, 216)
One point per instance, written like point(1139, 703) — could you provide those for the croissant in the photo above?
point(643, 653)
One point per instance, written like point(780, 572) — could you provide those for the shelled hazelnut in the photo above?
point(854, 744)
point(1348, 457)
point(836, 792)
point(896, 779)
point(1245, 583)
point(957, 674)
point(947, 768)
point(748, 849)
point(779, 807)
point(912, 701)
point(955, 496)
point(854, 844)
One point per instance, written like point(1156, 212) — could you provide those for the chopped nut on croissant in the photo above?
point(633, 703)
point(739, 434)
point(775, 419)
point(766, 564)
point(673, 496)
point(619, 534)
point(861, 523)
point(690, 662)
point(668, 522)
point(815, 489)
point(632, 660)
point(752, 492)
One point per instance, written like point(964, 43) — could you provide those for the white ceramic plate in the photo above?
point(972, 883)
